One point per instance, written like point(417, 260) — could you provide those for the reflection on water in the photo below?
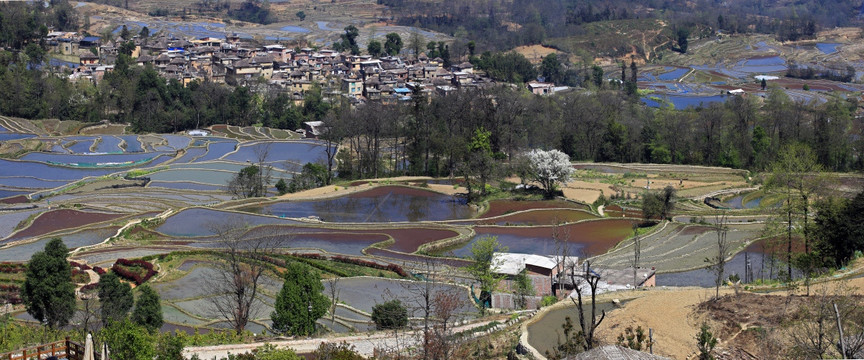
point(761, 267)
point(519, 244)
point(545, 334)
point(389, 204)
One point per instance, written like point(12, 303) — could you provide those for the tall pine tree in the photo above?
point(300, 302)
point(48, 292)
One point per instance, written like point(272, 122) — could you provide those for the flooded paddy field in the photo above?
point(381, 204)
point(89, 186)
point(704, 77)
point(582, 238)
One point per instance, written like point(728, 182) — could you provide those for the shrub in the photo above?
point(391, 267)
point(121, 268)
point(390, 315)
point(79, 265)
point(99, 270)
point(12, 268)
point(548, 300)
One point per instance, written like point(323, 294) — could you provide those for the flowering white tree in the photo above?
point(549, 168)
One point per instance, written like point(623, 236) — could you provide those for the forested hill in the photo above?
point(502, 24)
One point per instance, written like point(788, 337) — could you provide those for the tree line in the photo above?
point(490, 23)
point(434, 136)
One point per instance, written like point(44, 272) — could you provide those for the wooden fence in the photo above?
point(61, 349)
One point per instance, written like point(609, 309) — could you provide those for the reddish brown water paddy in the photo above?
point(380, 204)
point(61, 219)
point(344, 241)
point(540, 217)
point(416, 258)
point(617, 211)
point(503, 207)
point(584, 238)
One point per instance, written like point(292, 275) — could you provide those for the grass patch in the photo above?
point(142, 172)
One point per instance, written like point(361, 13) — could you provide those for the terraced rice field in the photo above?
point(679, 247)
point(381, 204)
point(79, 193)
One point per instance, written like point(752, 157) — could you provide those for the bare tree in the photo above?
point(333, 289)
point(717, 263)
point(586, 279)
point(240, 271)
point(637, 253)
point(262, 152)
point(253, 180)
point(332, 134)
point(815, 333)
point(562, 251)
point(88, 315)
point(421, 299)
point(446, 307)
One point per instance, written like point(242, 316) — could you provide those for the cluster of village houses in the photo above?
point(235, 61)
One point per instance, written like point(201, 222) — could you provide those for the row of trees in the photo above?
point(436, 137)
point(490, 23)
point(50, 297)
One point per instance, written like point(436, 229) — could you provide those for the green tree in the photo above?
point(282, 187)
point(796, 176)
point(683, 34)
point(128, 341)
point(48, 292)
point(301, 15)
point(659, 204)
point(245, 183)
point(145, 32)
point(551, 68)
point(393, 44)
point(415, 42)
point(479, 162)
point(597, 75)
point(125, 34)
point(300, 302)
point(374, 48)
point(634, 339)
point(390, 315)
point(169, 347)
point(523, 287)
point(839, 229)
point(484, 269)
point(115, 298)
point(574, 342)
point(510, 66)
point(705, 342)
point(312, 176)
point(314, 106)
point(127, 48)
point(349, 41)
point(148, 310)
point(35, 53)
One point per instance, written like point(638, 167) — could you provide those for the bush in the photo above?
point(390, 315)
point(341, 351)
point(349, 260)
point(121, 268)
point(12, 268)
point(548, 300)
point(99, 270)
point(270, 352)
